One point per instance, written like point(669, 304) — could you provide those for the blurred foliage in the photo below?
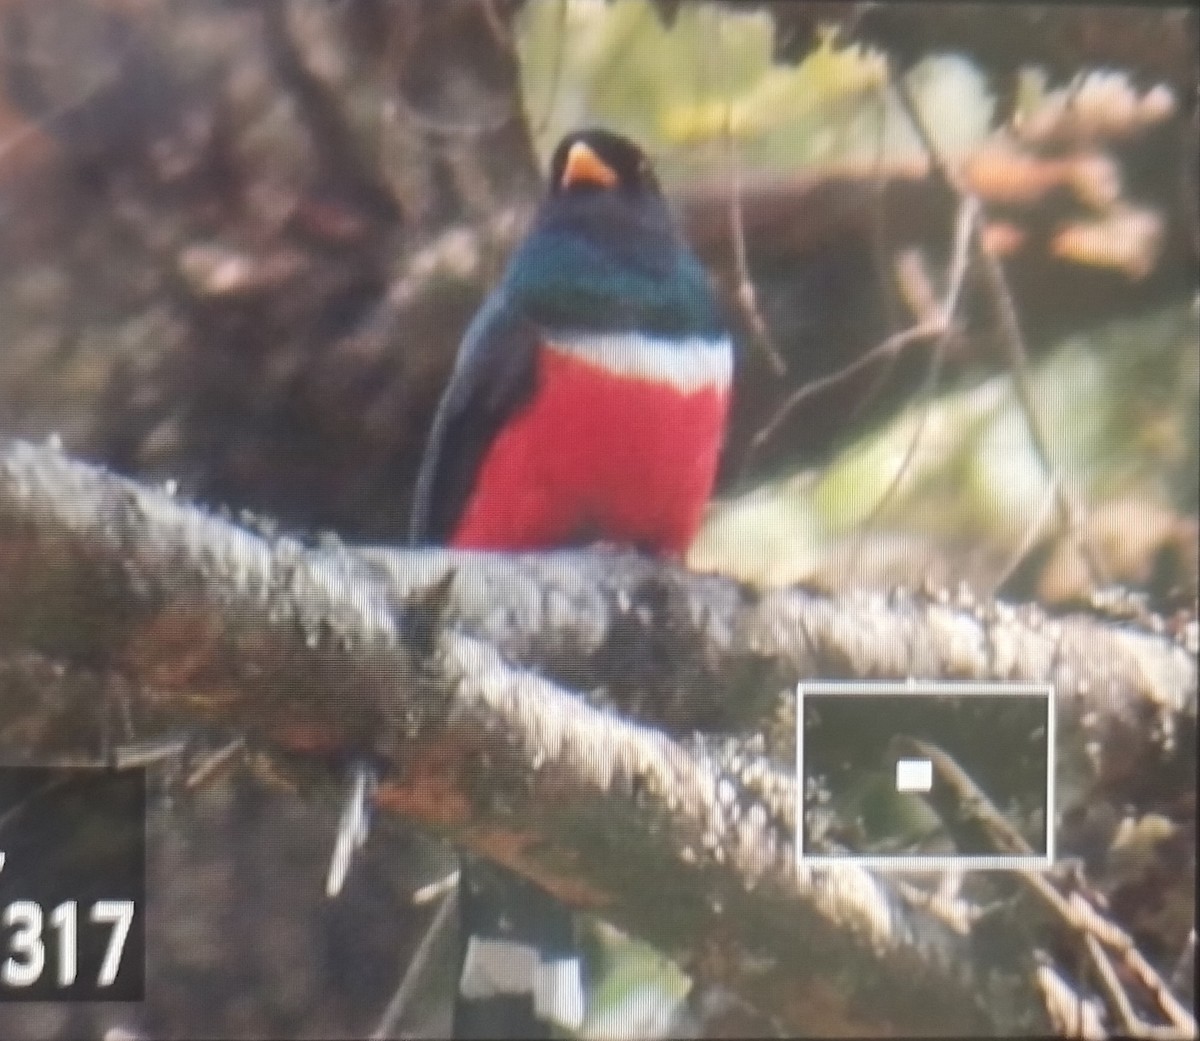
point(239, 244)
point(690, 89)
point(636, 990)
point(1121, 406)
point(951, 487)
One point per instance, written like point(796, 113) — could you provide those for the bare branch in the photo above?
point(414, 659)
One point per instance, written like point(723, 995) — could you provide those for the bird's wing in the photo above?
point(493, 377)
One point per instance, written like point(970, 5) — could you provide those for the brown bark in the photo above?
point(425, 661)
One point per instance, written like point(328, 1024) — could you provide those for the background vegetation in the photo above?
point(239, 243)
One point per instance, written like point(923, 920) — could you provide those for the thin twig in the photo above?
point(137, 754)
point(879, 254)
point(891, 346)
point(416, 968)
point(1131, 1023)
point(1185, 965)
point(970, 800)
point(935, 326)
point(1072, 1013)
point(957, 913)
point(353, 828)
point(1030, 536)
point(1076, 911)
point(214, 761)
point(1011, 337)
point(1087, 921)
point(910, 451)
point(1018, 358)
point(746, 296)
point(426, 894)
point(943, 319)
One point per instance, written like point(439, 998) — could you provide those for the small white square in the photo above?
point(914, 775)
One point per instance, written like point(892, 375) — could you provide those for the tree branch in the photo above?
point(454, 673)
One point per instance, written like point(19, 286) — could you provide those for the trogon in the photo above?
point(587, 403)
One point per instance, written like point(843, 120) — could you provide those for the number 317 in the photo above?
point(26, 959)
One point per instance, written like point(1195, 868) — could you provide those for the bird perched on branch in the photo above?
point(587, 403)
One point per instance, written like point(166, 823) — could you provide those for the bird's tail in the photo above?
point(521, 975)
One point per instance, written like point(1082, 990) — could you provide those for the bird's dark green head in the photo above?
point(604, 252)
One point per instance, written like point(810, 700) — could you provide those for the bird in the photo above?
point(587, 404)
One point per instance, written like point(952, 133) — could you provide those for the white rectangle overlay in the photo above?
point(914, 775)
point(934, 689)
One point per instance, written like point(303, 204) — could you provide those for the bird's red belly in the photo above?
point(598, 456)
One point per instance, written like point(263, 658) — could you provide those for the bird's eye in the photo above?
point(646, 174)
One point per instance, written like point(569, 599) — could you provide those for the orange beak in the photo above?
point(583, 166)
